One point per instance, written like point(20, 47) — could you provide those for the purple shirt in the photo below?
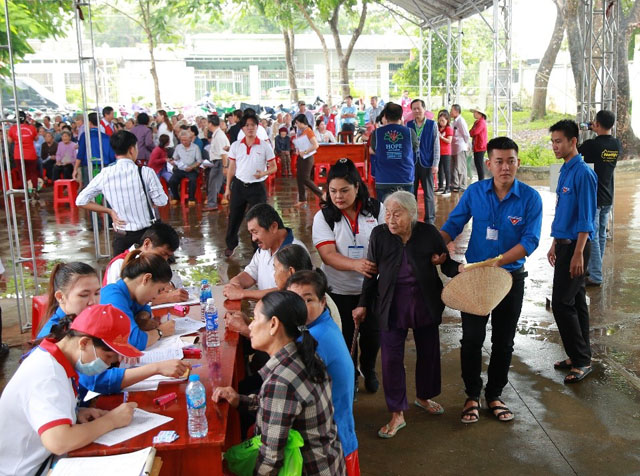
point(145, 141)
point(66, 153)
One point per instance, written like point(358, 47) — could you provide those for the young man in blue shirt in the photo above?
point(507, 217)
point(572, 229)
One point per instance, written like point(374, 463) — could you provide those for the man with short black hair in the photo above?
point(459, 148)
point(507, 218)
point(428, 157)
point(131, 192)
point(251, 161)
point(217, 149)
point(374, 111)
point(603, 152)
point(394, 146)
point(82, 165)
point(269, 233)
point(107, 120)
point(572, 231)
point(302, 109)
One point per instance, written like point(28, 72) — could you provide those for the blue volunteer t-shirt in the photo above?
point(395, 163)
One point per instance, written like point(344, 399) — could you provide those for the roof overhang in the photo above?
point(436, 13)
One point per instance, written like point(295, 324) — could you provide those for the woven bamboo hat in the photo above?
point(478, 290)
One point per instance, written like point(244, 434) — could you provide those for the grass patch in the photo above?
point(196, 274)
point(537, 155)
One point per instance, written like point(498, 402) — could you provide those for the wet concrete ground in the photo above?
point(592, 428)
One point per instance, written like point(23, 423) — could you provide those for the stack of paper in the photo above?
point(165, 349)
point(185, 325)
point(142, 422)
point(151, 383)
point(192, 301)
point(137, 463)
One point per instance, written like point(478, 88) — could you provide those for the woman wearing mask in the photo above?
point(296, 392)
point(341, 235)
point(38, 407)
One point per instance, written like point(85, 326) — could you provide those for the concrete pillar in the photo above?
point(384, 81)
point(254, 84)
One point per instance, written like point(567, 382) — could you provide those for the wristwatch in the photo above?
point(160, 334)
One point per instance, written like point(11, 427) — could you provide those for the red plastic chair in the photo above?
point(61, 186)
point(38, 308)
point(318, 169)
point(184, 190)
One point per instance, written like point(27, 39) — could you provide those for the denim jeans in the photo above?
point(382, 190)
point(598, 244)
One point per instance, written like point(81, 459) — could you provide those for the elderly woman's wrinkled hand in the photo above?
point(438, 259)
point(228, 394)
point(365, 267)
point(238, 322)
point(359, 314)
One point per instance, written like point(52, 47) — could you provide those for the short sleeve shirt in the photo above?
point(218, 142)
point(248, 159)
point(29, 135)
point(261, 266)
point(38, 397)
point(344, 235)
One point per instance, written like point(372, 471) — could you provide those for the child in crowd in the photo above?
point(283, 150)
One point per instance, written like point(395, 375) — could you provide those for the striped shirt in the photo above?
point(288, 399)
point(120, 184)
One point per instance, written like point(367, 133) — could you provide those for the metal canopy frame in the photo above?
point(433, 16)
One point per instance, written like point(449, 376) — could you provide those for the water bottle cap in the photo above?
point(210, 300)
point(204, 281)
point(194, 378)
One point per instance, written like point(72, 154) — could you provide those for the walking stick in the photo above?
point(354, 342)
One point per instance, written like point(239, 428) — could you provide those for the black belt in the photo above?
point(246, 184)
point(564, 241)
point(519, 273)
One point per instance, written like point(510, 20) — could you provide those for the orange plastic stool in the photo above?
point(59, 196)
point(38, 308)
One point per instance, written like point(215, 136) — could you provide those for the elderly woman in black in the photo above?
point(406, 295)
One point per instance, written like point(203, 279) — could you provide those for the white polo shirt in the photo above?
point(250, 159)
point(261, 266)
point(261, 134)
point(38, 397)
point(345, 234)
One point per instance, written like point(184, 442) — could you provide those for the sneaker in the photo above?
point(228, 252)
point(440, 191)
point(446, 193)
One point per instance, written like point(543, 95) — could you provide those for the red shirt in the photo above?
point(330, 122)
point(122, 255)
point(158, 159)
point(479, 135)
point(29, 134)
point(445, 147)
point(107, 127)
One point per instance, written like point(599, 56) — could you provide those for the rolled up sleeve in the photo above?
point(587, 184)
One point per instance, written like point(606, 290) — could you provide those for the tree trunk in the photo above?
point(145, 13)
point(630, 143)
point(289, 44)
point(154, 74)
point(576, 48)
point(325, 49)
point(344, 56)
point(539, 106)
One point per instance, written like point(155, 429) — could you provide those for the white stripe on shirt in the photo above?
point(120, 184)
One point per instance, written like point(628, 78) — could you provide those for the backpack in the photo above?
point(375, 211)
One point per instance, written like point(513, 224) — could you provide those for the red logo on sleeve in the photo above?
point(515, 220)
point(565, 189)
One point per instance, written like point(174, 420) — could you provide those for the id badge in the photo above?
point(492, 234)
point(356, 252)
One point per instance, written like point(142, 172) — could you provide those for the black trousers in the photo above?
point(423, 175)
point(178, 175)
point(478, 159)
point(569, 305)
point(369, 332)
point(504, 319)
point(444, 173)
point(123, 241)
point(243, 195)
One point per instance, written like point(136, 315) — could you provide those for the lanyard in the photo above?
point(419, 128)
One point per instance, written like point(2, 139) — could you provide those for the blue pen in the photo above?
point(196, 366)
point(125, 397)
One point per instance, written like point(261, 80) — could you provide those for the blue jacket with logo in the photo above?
point(395, 162)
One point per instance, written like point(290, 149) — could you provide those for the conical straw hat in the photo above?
point(478, 290)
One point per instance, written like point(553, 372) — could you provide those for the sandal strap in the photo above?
point(469, 410)
point(506, 412)
point(498, 407)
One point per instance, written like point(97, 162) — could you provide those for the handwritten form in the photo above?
point(130, 464)
point(141, 423)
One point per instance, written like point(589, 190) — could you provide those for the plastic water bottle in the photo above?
point(205, 293)
point(197, 408)
point(211, 321)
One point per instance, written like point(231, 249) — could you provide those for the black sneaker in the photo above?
point(440, 191)
point(371, 382)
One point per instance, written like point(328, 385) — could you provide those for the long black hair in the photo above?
point(291, 311)
point(137, 263)
point(294, 256)
point(345, 169)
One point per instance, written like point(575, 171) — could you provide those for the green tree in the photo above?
point(162, 22)
point(31, 19)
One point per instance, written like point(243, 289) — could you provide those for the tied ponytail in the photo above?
point(137, 263)
point(291, 311)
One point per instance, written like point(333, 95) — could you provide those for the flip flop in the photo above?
point(562, 365)
point(433, 408)
point(387, 435)
point(577, 377)
point(503, 410)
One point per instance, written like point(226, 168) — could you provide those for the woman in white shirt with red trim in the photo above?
point(341, 233)
point(38, 408)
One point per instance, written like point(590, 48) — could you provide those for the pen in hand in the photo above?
point(125, 397)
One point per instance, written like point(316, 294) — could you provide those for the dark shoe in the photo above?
point(371, 382)
point(228, 252)
point(562, 365)
point(210, 209)
point(4, 351)
point(590, 283)
point(575, 377)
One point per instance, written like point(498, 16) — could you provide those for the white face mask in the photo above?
point(95, 367)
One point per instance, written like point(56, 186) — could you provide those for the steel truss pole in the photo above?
point(425, 67)
point(447, 99)
point(9, 194)
point(502, 69)
point(82, 61)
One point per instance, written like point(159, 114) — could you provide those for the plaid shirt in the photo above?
point(288, 399)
